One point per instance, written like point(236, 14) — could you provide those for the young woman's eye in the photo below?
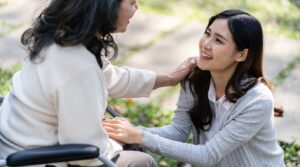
point(206, 34)
point(219, 41)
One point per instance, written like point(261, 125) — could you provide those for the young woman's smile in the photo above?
point(217, 49)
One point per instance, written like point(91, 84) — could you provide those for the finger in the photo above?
point(115, 126)
point(191, 60)
point(113, 130)
point(116, 120)
point(112, 121)
point(107, 128)
point(115, 136)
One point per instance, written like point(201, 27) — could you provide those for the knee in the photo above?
point(135, 159)
point(147, 160)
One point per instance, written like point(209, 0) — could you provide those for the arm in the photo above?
point(181, 125)
point(178, 130)
point(130, 82)
point(237, 132)
point(80, 107)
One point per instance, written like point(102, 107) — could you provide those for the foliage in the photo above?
point(291, 153)
point(5, 79)
point(296, 3)
point(280, 17)
point(145, 114)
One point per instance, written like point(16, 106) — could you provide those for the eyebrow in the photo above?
point(218, 34)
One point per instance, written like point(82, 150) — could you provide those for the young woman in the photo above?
point(226, 99)
point(61, 92)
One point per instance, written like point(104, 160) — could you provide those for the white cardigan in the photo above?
point(63, 99)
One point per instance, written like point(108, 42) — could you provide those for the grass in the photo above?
point(4, 2)
point(279, 17)
point(131, 51)
point(6, 28)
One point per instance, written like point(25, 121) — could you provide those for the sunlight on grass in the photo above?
point(4, 2)
point(279, 17)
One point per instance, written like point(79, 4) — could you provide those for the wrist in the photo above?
point(163, 80)
point(139, 136)
point(171, 80)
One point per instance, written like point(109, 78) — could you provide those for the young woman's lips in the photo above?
point(205, 57)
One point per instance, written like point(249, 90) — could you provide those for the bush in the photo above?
point(291, 153)
point(5, 79)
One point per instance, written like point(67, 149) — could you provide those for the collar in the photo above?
point(212, 97)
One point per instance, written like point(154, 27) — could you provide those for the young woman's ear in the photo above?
point(243, 55)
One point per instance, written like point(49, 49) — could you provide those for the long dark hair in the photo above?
point(72, 22)
point(247, 34)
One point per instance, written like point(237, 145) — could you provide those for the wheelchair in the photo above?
point(57, 153)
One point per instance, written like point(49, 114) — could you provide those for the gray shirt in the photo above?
point(243, 136)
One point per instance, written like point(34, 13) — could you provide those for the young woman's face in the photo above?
point(126, 12)
point(217, 49)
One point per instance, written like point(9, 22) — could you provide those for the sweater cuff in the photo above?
point(149, 141)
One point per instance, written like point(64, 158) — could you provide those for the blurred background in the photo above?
point(165, 32)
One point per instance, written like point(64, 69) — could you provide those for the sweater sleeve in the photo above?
point(237, 132)
point(126, 82)
point(81, 102)
point(181, 125)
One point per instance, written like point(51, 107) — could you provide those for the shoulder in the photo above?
point(61, 63)
point(258, 98)
point(260, 91)
point(186, 98)
point(69, 59)
point(76, 53)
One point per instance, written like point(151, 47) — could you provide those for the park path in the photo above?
point(160, 43)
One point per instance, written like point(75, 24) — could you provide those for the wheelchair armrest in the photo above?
point(112, 112)
point(53, 154)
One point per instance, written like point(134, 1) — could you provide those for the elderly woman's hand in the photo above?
point(122, 130)
point(177, 75)
point(183, 69)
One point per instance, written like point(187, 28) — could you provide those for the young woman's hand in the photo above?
point(177, 75)
point(123, 131)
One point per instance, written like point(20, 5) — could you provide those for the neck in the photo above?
point(221, 79)
point(220, 85)
point(220, 82)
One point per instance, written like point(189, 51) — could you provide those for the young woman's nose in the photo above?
point(207, 43)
